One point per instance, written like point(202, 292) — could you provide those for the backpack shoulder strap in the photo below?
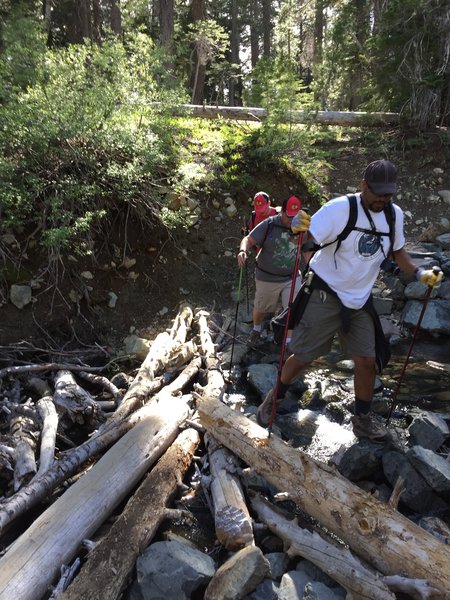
point(352, 216)
point(269, 227)
point(389, 213)
point(350, 225)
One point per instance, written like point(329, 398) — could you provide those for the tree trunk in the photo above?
point(267, 27)
point(379, 534)
point(234, 55)
point(255, 32)
point(33, 562)
point(110, 563)
point(116, 17)
point(166, 27)
point(197, 12)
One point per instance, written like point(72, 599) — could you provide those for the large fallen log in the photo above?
point(379, 534)
point(335, 560)
point(33, 561)
point(110, 563)
point(322, 117)
point(231, 517)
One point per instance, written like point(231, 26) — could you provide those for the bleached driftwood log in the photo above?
point(23, 430)
point(33, 561)
point(74, 401)
point(335, 560)
point(49, 416)
point(379, 534)
point(71, 461)
point(182, 324)
point(215, 386)
point(232, 520)
point(324, 117)
point(104, 383)
point(111, 562)
point(206, 343)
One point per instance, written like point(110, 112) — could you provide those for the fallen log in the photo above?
point(104, 383)
point(231, 517)
point(379, 534)
point(73, 401)
point(110, 563)
point(181, 324)
point(49, 416)
point(18, 370)
point(336, 561)
point(71, 461)
point(33, 561)
point(23, 431)
point(322, 117)
point(215, 385)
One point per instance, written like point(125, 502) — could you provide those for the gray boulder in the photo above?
point(433, 468)
point(361, 461)
point(172, 571)
point(428, 430)
point(435, 320)
point(418, 495)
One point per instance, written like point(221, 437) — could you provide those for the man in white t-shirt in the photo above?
point(344, 274)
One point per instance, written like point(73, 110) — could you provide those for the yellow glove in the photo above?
point(300, 222)
point(431, 277)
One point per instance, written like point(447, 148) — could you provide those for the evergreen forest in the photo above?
point(90, 94)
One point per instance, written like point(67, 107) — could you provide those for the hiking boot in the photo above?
point(254, 339)
point(366, 426)
point(264, 411)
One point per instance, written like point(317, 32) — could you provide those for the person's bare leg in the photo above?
point(292, 368)
point(258, 317)
point(364, 380)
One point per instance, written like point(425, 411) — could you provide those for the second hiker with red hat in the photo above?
point(274, 263)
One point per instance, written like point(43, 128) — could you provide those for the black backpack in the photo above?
point(389, 213)
point(299, 303)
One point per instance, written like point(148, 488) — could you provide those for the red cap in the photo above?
point(261, 201)
point(292, 206)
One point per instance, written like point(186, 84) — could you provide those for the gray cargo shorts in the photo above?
point(321, 321)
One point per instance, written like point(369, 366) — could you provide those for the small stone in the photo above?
point(20, 295)
point(163, 311)
point(75, 296)
point(87, 275)
point(112, 300)
point(128, 262)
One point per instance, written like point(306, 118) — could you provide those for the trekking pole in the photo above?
point(286, 329)
point(246, 232)
point(416, 329)
point(235, 319)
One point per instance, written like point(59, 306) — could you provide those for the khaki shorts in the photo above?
point(268, 294)
point(321, 321)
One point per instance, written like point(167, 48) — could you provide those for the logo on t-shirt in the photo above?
point(368, 246)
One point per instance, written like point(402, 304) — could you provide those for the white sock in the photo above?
point(257, 328)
